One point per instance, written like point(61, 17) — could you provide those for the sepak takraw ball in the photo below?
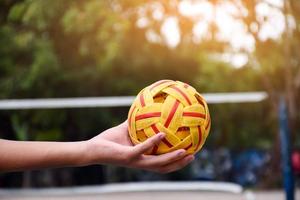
point(174, 108)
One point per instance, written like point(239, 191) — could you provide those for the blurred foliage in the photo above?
point(95, 48)
point(19, 128)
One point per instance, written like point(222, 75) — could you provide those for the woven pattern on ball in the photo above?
point(172, 107)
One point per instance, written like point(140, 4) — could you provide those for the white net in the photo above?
point(119, 101)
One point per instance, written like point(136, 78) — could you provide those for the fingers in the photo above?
point(164, 163)
point(124, 125)
point(176, 165)
point(148, 144)
point(164, 159)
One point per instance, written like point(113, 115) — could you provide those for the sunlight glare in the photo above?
point(202, 9)
point(224, 15)
point(237, 60)
point(200, 31)
point(274, 26)
point(158, 12)
point(170, 31)
point(277, 3)
point(142, 22)
point(152, 36)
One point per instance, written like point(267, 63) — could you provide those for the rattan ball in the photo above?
point(174, 108)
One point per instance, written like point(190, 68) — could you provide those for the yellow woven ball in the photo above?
point(174, 108)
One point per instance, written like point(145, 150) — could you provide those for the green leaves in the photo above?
point(54, 48)
point(17, 11)
point(44, 63)
point(20, 128)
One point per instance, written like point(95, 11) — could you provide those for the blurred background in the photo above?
point(92, 48)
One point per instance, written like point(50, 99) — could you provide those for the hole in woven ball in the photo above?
point(141, 136)
point(199, 99)
point(183, 132)
point(160, 97)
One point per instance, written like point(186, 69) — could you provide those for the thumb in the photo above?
point(148, 144)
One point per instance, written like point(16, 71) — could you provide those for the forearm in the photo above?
point(17, 155)
point(112, 146)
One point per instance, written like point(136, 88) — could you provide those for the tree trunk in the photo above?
point(289, 79)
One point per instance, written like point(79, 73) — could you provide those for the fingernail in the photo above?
point(181, 152)
point(161, 135)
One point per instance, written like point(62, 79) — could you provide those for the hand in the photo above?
point(114, 146)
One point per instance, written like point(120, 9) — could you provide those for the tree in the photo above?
point(101, 48)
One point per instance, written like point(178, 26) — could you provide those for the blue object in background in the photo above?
point(288, 178)
point(244, 168)
point(248, 165)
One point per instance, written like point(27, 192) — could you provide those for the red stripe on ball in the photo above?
point(147, 115)
point(200, 136)
point(193, 114)
point(142, 100)
point(182, 94)
point(159, 83)
point(165, 141)
point(172, 113)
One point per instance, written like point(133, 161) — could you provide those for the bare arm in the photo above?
point(113, 146)
point(17, 155)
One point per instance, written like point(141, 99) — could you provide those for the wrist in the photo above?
point(81, 154)
point(91, 149)
point(101, 151)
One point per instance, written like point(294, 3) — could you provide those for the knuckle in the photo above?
point(127, 157)
point(138, 149)
point(152, 142)
point(131, 156)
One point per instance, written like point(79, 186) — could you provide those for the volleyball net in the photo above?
point(119, 101)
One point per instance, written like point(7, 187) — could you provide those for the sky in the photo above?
point(231, 30)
